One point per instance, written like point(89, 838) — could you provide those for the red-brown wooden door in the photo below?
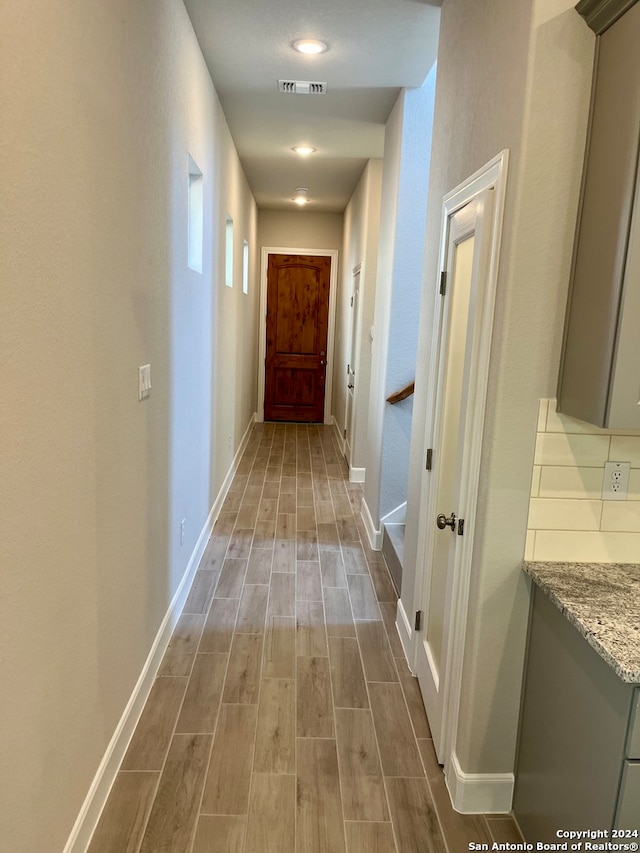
point(297, 325)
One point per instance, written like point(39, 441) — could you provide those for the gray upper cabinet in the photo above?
point(600, 368)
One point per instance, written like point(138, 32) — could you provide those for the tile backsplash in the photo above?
point(568, 520)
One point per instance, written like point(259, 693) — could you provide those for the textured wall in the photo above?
point(101, 105)
point(398, 294)
point(523, 85)
point(360, 246)
point(300, 229)
point(406, 291)
point(384, 278)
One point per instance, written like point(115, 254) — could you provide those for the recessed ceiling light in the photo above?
point(310, 46)
point(303, 150)
point(301, 196)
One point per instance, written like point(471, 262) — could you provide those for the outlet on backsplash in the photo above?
point(615, 485)
point(569, 517)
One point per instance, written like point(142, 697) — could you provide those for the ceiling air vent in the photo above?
point(302, 87)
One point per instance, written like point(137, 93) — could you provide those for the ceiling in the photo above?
point(376, 47)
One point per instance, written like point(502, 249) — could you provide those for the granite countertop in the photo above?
point(602, 600)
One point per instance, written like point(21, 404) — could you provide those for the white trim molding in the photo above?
point(478, 793)
point(339, 437)
point(442, 691)
point(226, 483)
point(95, 801)
point(357, 475)
point(333, 299)
point(403, 627)
point(494, 176)
point(396, 516)
point(374, 536)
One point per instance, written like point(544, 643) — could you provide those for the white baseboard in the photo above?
point(479, 793)
point(337, 434)
point(357, 475)
point(108, 769)
point(405, 632)
point(95, 800)
point(226, 484)
point(396, 516)
point(374, 536)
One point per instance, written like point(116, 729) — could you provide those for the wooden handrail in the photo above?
point(405, 392)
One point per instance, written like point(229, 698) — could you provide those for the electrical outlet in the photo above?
point(182, 523)
point(615, 484)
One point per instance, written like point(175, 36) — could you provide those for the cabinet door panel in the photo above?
point(593, 312)
point(633, 740)
point(628, 814)
point(572, 731)
point(624, 405)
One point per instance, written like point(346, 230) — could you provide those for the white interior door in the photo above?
point(448, 435)
point(351, 370)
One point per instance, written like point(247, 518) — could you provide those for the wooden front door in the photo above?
point(297, 325)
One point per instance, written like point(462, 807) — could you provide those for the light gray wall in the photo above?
point(300, 229)
point(384, 278)
point(406, 290)
point(360, 246)
point(523, 85)
point(102, 103)
point(398, 295)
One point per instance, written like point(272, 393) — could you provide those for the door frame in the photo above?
point(354, 341)
point(463, 224)
point(262, 344)
point(491, 176)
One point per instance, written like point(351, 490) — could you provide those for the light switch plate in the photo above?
point(144, 381)
point(615, 484)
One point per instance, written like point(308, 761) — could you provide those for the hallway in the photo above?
point(284, 717)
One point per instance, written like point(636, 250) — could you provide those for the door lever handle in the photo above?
point(442, 521)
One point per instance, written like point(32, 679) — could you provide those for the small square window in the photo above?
point(245, 267)
point(195, 243)
point(228, 258)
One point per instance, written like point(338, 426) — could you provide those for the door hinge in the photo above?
point(418, 622)
point(344, 433)
point(461, 527)
point(429, 459)
point(352, 301)
point(443, 282)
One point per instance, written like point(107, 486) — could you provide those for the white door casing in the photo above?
point(262, 341)
point(455, 327)
point(474, 210)
point(350, 404)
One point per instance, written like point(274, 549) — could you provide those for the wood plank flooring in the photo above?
point(284, 718)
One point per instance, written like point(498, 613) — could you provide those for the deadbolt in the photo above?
point(442, 521)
